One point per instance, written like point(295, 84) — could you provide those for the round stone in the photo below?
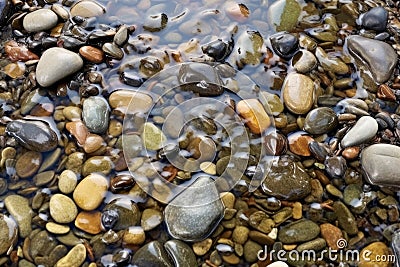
point(28, 164)
point(62, 208)
point(93, 142)
point(298, 231)
point(89, 221)
point(136, 101)
point(99, 164)
point(40, 20)
point(92, 54)
point(240, 234)
point(87, 9)
point(67, 181)
point(56, 228)
point(153, 138)
point(298, 93)
point(72, 113)
point(304, 61)
point(89, 193)
point(364, 130)
point(95, 114)
point(320, 120)
point(134, 236)
point(375, 19)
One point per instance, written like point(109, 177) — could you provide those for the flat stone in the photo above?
point(298, 231)
point(377, 56)
point(298, 93)
point(153, 138)
point(345, 218)
point(89, 221)
point(134, 236)
point(20, 210)
point(364, 130)
point(130, 101)
point(75, 257)
point(58, 229)
point(254, 115)
point(55, 64)
point(40, 20)
point(8, 233)
point(89, 193)
point(380, 162)
point(95, 114)
point(62, 208)
point(28, 164)
point(87, 9)
point(320, 120)
point(194, 213)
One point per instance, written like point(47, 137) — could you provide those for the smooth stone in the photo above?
point(320, 120)
point(42, 243)
point(67, 181)
point(8, 233)
point(194, 213)
point(298, 231)
point(315, 244)
point(95, 114)
point(43, 178)
point(379, 163)
point(28, 164)
point(151, 254)
point(345, 218)
point(304, 61)
point(375, 19)
point(97, 164)
point(78, 129)
point(271, 102)
point(331, 234)
point(92, 54)
point(299, 143)
point(250, 251)
point(335, 166)
point(155, 23)
point(240, 234)
point(55, 64)
point(153, 138)
point(126, 213)
point(40, 20)
point(15, 70)
point(130, 101)
point(75, 257)
point(89, 193)
point(113, 50)
point(87, 9)
point(60, 11)
point(121, 37)
point(284, 44)
point(62, 208)
point(93, 142)
point(278, 264)
point(287, 180)
point(72, 113)
point(151, 218)
point(134, 236)
point(89, 221)
point(379, 57)
point(333, 64)
point(364, 130)
point(254, 115)
point(373, 252)
point(284, 14)
point(181, 254)
point(19, 209)
point(298, 93)
point(172, 123)
point(58, 229)
point(202, 247)
point(27, 134)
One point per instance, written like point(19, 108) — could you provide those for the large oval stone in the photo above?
point(320, 120)
point(298, 231)
point(20, 210)
point(298, 93)
point(380, 164)
point(95, 114)
point(89, 193)
point(195, 213)
point(55, 64)
point(87, 9)
point(62, 208)
point(40, 20)
point(120, 100)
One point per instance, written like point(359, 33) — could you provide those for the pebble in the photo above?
point(60, 11)
point(316, 244)
point(377, 56)
point(134, 236)
point(95, 114)
point(380, 162)
point(113, 51)
point(202, 247)
point(364, 130)
point(304, 61)
point(298, 93)
point(122, 213)
point(28, 164)
point(151, 218)
point(89, 193)
point(92, 54)
point(335, 166)
point(373, 252)
point(250, 251)
point(271, 102)
point(8, 234)
point(333, 64)
point(345, 218)
point(67, 181)
point(87, 9)
point(19, 209)
point(298, 231)
point(208, 167)
point(121, 37)
point(27, 132)
point(75, 257)
point(155, 22)
point(284, 14)
point(278, 264)
point(199, 208)
point(284, 44)
point(385, 93)
point(375, 19)
point(40, 20)
point(299, 144)
point(320, 120)
point(151, 254)
point(287, 180)
point(121, 100)
point(62, 208)
point(55, 64)
point(240, 234)
point(97, 164)
point(79, 130)
point(253, 112)
point(15, 70)
point(18, 52)
point(93, 142)
point(331, 234)
point(89, 221)
point(58, 229)
point(153, 138)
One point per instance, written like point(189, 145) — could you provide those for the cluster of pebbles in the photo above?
point(83, 131)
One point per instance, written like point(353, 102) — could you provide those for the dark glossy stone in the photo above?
point(317, 151)
point(335, 166)
point(182, 255)
point(109, 218)
point(275, 144)
point(5, 11)
point(127, 210)
point(121, 183)
point(284, 44)
point(151, 255)
point(375, 19)
point(132, 78)
point(200, 78)
point(218, 49)
point(33, 135)
point(320, 120)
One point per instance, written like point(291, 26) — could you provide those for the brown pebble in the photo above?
point(92, 54)
point(43, 110)
point(89, 221)
point(231, 259)
point(17, 52)
point(386, 93)
point(298, 144)
point(28, 164)
point(351, 153)
point(78, 130)
point(93, 142)
point(254, 114)
point(331, 234)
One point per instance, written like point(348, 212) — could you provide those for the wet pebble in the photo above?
point(375, 19)
point(364, 130)
point(75, 257)
point(151, 254)
point(40, 20)
point(87, 9)
point(298, 231)
point(120, 214)
point(375, 250)
point(252, 111)
point(298, 93)
point(95, 114)
point(56, 228)
point(134, 236)
point(92, 54)
point(284, 44)
point(151, 218)
point(304, 61)
point(89, 221)
point(335, 166)
point(284, 14)
point(331, 234)
point(19, 209)
point(8, 233)
point(320, 120)
point(28, 164)
point(55, 64)
point(92, 143)
point(62, 208)
point(155, 23)
point(345, 218)
point(139, 102)
point(299, 143)
point(97, 164)
point(152, 136)
point(79, 130)
point(89, 193)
